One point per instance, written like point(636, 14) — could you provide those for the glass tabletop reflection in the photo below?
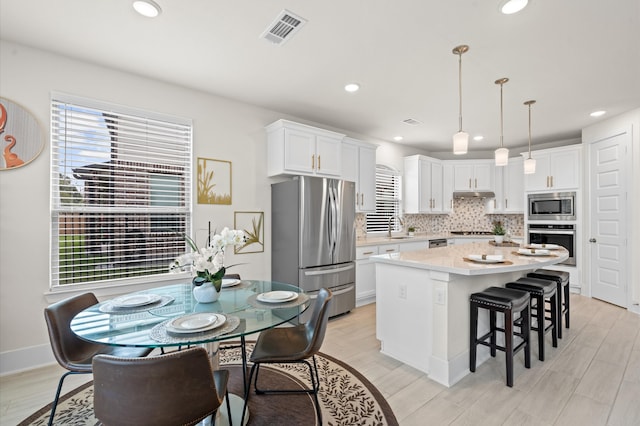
point(133, 328)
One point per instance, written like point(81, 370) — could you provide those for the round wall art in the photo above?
point(21, 136)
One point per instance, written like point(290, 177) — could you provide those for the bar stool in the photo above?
point(541, 291)
point(509, 302)
point(562, 280)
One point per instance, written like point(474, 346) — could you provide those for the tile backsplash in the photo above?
point(468, 215)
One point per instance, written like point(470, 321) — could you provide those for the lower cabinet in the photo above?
point(366, 271)
point(365, 275)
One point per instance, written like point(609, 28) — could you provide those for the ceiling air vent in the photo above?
point(283, 28)
point(411, 121)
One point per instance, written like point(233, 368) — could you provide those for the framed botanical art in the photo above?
point(252, 223)
point(214, 181)
point(21, 135)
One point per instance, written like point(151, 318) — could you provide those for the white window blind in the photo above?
point(121, 191)
point(388, 200)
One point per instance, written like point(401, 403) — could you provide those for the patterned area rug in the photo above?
point(346, 397)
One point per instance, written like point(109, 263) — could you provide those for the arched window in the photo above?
point(388, 200)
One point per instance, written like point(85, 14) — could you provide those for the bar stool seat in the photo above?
point(541, 291)
point(562, 280)
point(508, 302)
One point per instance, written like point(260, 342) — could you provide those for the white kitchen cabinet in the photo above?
point(298, 149)
point(365, 275)
point(473, 175)
point(447, 187)
point(556, 169)
point(423, 185)
point(509, 188)
point(359, 166)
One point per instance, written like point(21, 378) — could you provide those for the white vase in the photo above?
point(498, 239)
point(205, 293)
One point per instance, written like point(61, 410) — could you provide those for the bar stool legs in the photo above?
point(508, 302)
point(541, 291)
point(563, 291)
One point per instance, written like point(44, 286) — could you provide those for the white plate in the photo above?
point(229, 282)
point(277, 296)
point(135, 300)
point(543, 246)
point(195, 323)
point(481, 260)
point(534, 252)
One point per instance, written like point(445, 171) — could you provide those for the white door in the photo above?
point(608, 224)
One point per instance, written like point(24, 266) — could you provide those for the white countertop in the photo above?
point(450, 259)
point(400, 238)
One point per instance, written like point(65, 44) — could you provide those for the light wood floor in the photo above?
point(592, 378)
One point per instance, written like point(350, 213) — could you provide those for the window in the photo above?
point(121, 191)
point(388, 190)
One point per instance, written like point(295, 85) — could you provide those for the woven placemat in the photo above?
point(108, 307)
point(534, 255)
point(301, 299)
point(501, 263)
point(160, 333)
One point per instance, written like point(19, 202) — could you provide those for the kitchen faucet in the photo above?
point(391, 220)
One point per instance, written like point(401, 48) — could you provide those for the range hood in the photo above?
point(474, 194)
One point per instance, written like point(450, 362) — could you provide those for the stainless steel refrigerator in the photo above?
point(313, 237)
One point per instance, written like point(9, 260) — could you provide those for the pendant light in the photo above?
point(529, 163)
point(460, 139)
point(502, 153)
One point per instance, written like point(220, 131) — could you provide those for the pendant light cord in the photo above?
point(501, 119)
point(460, 88)
point(529, 105)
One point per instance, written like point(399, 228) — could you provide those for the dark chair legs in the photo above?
point(562, 290)
point(508, 302)
point(541, 291)
point(54, 404)
point(315, 387)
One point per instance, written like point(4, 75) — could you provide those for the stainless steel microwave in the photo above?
point(552, 206)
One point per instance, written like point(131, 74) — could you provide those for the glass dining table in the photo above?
point(170, 317)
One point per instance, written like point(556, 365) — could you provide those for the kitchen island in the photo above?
point(422, 302)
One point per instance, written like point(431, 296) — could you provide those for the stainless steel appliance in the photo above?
point(438, 242)
point(554, 233)
point(552, 206)
point(313, 237)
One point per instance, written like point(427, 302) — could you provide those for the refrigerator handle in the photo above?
point(334, 221)
point(329, 271)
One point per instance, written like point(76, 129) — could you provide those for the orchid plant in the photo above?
point(207, 263)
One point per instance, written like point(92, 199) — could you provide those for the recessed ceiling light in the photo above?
point(512, 6)
point(478, 138)
point(598, 113)
point(397, 138)
point(352, 87)
point(147, 8)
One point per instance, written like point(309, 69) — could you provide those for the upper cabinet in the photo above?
point(473, 175)
point(359, 166)
point(509, 188)
point(423, 185)
point(556, 169)
point(298, 149)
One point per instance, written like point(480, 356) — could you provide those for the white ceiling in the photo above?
point(572, 56)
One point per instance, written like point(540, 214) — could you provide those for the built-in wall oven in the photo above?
point(555, 233)
point(552, 206)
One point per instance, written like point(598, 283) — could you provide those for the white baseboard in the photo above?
point(24, 359)
point(361, 301)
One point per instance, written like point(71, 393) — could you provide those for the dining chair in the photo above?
point(71, 352)
point(295, 344)
point(179, 388)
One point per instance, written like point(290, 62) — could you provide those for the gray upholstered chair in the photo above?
point(178, 388)
point(71, 352)
point(295, 344)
